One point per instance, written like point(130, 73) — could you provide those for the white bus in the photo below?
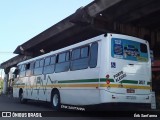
point(109, 68)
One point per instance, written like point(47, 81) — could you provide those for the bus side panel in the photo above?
point(31, 91)
point(41, 86)
point(83, 92)
point(104, 71)
point(80, 93)
point(15, 92)
point(24, 88)
point(15, 89)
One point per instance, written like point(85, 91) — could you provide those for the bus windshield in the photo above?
point(129, 50)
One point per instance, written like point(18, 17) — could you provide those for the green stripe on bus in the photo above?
point(97, 80)
point(129, 81)
point(104, 80)
point(123, 81)
point(79, 81)
point(149, 83)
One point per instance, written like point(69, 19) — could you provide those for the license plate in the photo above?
point(131, 97)
point(130, 90)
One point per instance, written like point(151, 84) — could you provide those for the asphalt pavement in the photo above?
point(10, 104)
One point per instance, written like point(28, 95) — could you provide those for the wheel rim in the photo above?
point(55, 100)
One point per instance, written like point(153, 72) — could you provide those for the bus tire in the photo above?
point(55, 100)
point(21, 98)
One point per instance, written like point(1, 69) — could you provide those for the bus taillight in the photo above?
point(107, 79)
point(107, 76)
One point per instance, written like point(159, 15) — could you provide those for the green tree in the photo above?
point(1, 86)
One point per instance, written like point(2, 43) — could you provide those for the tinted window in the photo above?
point(80, 58)
point(79, 64)
point(143, 48)
point(63, 62)
point(37, 64)
point(67, 56)
point(41, 63)
point(47, 61)
point(76, 54)
point(93, 55)
point(84, 52)
point(49, 68)
point(22, 68)
point(27, 66)
point(19, 67)
point(32, 65)
point(61, 57)
point(38, 67)
point(61, 67)
point(53, 60)
point(22, 71)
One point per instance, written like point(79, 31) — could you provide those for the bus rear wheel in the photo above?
point(55, 100)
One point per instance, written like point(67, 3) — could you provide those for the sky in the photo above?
point(21, 20)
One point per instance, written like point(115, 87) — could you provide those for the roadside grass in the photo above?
point(1, 86)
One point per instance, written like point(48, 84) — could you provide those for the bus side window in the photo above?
point(80, 57)
point(62, 62)
point(41, 63)
point(76, 54)
point(47, 61)
point(32, 67)
point(93, 55)
point(49, 65)
point(53, 60)
point(17, 71)
point(29, 68)
point(85, 52)
point(68, 56)
point(28, 71)
point(19, 67)
point(22, 71)
point(38, 67)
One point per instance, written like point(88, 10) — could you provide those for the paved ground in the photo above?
point(8, 103)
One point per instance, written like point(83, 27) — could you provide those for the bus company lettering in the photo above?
point(119, 76)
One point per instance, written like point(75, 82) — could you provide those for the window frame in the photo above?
point(88, 51)
point(91, 56)
point(54, 60)
point(36, 62)
point(66, 61)
point(49, 57)
point(81, 58)
point(64, 57)
point(50, 65)
point(40, 67)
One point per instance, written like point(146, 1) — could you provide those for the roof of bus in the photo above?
point(98, 38)
point(130, 37)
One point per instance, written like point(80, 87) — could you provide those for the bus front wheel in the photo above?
point(55, 100)
point(21, 97)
